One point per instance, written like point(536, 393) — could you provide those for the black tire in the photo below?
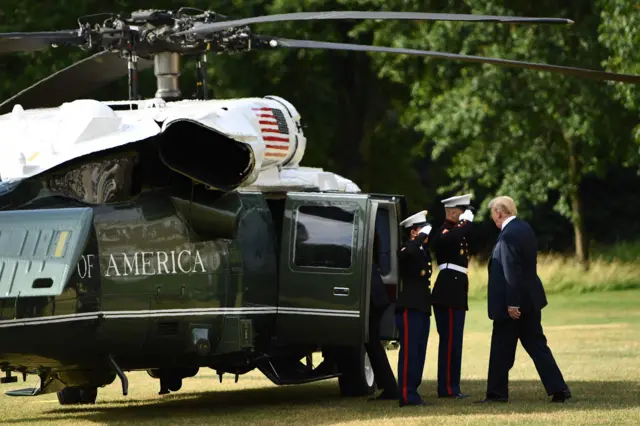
point(174, 384)
point(74, 396)
point(153, 373)
point(88, 395)
point(356, 374)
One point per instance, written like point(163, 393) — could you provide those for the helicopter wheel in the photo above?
point(75, 395)
point(174, 384)
point(357, 378)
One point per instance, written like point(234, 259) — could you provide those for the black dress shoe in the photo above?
point(561, 396)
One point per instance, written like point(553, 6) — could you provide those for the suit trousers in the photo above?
point(450, 325)
point(413, 326)
point(378, 356)
point(504, 341)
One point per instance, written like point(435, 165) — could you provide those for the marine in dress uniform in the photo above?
point(413, 308)
point(450, 291)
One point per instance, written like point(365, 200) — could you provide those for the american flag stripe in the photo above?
point(272, 122)
point(274, 131)
point(275, 139)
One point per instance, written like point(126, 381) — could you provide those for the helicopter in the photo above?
point(120, 250)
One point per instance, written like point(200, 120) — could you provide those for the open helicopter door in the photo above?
point(323, 294)
point(387, 211)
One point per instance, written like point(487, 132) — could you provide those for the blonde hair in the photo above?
point(503, 204)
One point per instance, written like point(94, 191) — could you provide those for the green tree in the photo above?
point(529, 134)
point(620, 33)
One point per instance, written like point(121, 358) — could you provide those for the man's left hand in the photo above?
point(514, 312)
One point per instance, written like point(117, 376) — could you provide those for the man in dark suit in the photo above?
point(413, 307)
point(379, 302)
point(516, 298)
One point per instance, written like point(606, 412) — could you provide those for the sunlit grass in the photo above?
point(594, 338)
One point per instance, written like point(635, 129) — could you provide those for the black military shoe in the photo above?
point(415, 404)
point(561, 396)
point(457, 396)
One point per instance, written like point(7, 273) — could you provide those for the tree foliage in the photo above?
point(529, 134)
point(620, 33)
point(422, 127)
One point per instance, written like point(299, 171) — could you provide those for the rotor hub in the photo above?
point(167, 71)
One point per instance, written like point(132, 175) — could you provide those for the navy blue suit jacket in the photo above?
point(513, 276)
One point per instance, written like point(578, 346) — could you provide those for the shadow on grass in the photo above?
point(320, 403)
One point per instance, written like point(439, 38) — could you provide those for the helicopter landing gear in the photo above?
point(171, 379)
point(357, 378)
point(121, 375)
point(77, 395)
point(170, 384)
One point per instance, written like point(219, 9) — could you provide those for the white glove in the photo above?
point(425, 230)
point(467, 215)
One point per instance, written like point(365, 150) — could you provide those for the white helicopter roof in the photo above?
point(34, 141)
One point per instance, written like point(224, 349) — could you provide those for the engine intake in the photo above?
point(206, 155)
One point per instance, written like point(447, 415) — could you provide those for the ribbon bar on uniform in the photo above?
point(453, 266)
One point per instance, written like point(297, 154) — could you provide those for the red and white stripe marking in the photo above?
point(277, 144)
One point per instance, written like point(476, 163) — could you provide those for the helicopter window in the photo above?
point(324, 236)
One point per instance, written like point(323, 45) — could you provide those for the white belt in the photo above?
point(453, 266)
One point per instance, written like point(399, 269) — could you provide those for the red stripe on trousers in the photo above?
point(449, 351)
point(405, 372)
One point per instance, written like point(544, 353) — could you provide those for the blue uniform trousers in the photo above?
point(450, 325)
point(413, 326)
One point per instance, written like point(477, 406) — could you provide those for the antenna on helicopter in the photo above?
point(159, 38)
point(201, 77)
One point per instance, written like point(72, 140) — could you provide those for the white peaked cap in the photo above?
point(460, 200)
point(420, 217)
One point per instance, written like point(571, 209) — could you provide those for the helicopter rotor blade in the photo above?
point(413, 16)
point(275, 42)
point(73, 82)
point(26, 42)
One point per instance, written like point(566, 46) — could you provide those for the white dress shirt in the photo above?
point(506, 222)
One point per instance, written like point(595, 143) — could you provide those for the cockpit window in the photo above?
point(107, 180)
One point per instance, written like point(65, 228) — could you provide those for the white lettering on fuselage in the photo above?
point(85, 264)
point(144, 263)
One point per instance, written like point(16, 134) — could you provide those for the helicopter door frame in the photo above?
point(395, 207)
point(323, 298)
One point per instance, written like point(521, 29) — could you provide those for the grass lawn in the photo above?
point(594, 337)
